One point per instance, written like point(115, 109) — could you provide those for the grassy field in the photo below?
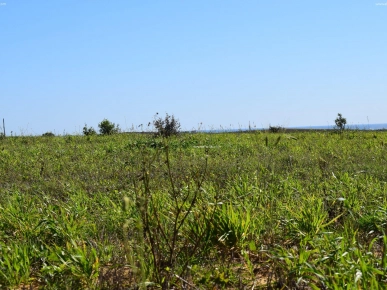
point(257, 210)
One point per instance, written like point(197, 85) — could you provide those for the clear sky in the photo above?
point(222, 63)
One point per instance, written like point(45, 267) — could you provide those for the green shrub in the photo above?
point(340, 122)
point(48, 134)
point(108, 128)
point(88, 131)
point(276, 129)
point(166, 127)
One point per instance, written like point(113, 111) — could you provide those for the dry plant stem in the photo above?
point(145, 214)
point(185, 281)
point(178, 224)
point(158, 236)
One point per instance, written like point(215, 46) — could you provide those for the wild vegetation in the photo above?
point(254, 210)
point(340, 122)
point(167, 126)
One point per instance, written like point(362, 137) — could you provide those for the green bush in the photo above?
point(167, 126)
point(276, 129)
point(340, 122)
point(108, 128)
point(88, 131)
point(48, 134)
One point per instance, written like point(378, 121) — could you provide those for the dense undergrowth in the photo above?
point(305, 210)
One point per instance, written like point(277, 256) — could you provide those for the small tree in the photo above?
point(340, 122)
point(166, 127)
point(88, 131)
point(107, 128)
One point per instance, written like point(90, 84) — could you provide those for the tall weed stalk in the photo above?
point(165, 216)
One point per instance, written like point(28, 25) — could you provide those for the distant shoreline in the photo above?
point(360, 127)
point(277, 129)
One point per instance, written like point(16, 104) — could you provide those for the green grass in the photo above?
point(299, 210)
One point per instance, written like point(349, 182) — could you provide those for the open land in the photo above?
point(258, 210)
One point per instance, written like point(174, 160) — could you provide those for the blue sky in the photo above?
point(226, 63)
